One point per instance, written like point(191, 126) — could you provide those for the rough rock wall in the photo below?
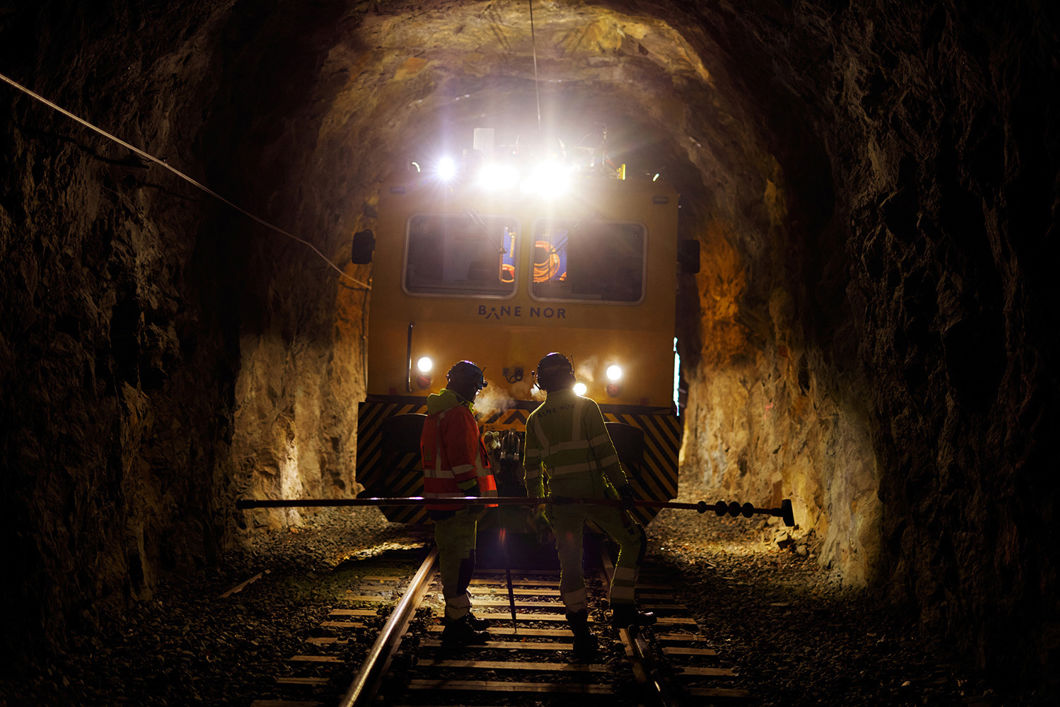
point(777, 407)
point(922, 316)
point(166, 354)
point(301, 337)
point(766, 420)
point(950, 140)
point(115, 359)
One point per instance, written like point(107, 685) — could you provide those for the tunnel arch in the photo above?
point(615, 63)
point(874, 189)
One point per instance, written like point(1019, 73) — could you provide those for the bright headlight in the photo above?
point(614, 373)
point(549, 179)
point(579, 388)
point(424, 364)
point(445, 169)
point(497, 177)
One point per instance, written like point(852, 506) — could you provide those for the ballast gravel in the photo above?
point(792, 631)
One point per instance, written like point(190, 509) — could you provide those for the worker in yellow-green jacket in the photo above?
point(569, 451)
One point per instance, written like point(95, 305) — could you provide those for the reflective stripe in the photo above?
point(576, 420)
point(467, 473)
point(540, 434)
point(574, 601)
point(531, 463)
point(568, 446)
point(457, 607)
point(438, 451)
point(480, 469)
point(459, 600)
point(608, 460)
point(600, 439)
point(442, 494)
point(622, 585)
point(573, 469)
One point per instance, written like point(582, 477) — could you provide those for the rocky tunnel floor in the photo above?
point(793, 633)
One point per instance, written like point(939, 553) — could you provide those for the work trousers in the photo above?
point(568, 524)
point(455, 538)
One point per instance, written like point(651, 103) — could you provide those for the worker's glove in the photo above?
point(540, 524)
point(625, 494)
point(542, 514)
point(470, 488)
point(477, 512)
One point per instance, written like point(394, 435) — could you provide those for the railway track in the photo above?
point(389, 625)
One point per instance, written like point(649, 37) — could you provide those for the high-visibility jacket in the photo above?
point(455, 462)
point(566, 439)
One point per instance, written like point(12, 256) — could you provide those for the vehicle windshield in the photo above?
point(461, 255)
point(589, 260)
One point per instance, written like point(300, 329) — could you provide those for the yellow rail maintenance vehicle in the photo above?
point(502, 267)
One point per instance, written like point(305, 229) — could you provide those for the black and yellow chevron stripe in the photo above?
point(654, 475)
point(389, 474)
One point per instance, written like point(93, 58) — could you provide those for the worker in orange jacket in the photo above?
point(455, 464)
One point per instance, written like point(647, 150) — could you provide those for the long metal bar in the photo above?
point(502, 533)
point(720, 508)
point(366, 683)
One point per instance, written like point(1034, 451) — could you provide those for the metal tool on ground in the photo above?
point(721, 508)
point(502, 534)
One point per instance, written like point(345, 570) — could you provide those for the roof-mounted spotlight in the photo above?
point(548, 179)
point(445, 170)
point(498, 177)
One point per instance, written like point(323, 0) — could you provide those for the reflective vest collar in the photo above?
point(446, 399)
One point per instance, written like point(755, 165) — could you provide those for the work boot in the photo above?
point(584, 640)
point(626, 615)
point(477, 623)
point(461, 633)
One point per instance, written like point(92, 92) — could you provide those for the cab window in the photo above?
point(461, 255)
point(588, 260)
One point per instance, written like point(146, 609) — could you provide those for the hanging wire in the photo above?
point(185, 177)
point(533, 47)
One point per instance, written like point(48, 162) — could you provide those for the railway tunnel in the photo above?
point(870, 332)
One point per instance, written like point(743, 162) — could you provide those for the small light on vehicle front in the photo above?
point(580, 388)
point(425, 364)
point(614, 373)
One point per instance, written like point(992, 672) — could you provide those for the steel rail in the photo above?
point(721, 508)
point(366, 683)
point(637, 649)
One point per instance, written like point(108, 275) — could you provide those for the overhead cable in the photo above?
point(182, 175)
point(533, 47)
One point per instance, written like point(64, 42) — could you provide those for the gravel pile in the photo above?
point(792, 632)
